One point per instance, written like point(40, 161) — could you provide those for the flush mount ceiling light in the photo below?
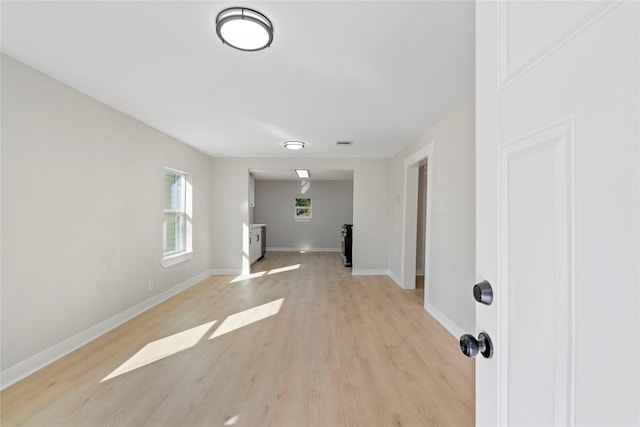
point(244, 29)
point(302, 173)
point(294, 145)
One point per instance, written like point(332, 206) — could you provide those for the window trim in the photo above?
point(176, 258)
point(186, 253)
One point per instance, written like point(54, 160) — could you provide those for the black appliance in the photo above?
point(347, 242)
point(263, 240)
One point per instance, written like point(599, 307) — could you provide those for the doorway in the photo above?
point(421, 224)
point(411, 227)
point(329, 193)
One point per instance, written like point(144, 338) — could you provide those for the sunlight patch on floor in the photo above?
point(248, 276)
point(247, 317)
point(283, 269)
point(164, 347)
point(262, 273)
point(233, 420)
point(173, 344)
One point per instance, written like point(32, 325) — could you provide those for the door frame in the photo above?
point(410, 215)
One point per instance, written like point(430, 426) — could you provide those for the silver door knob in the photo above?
point(470, 346)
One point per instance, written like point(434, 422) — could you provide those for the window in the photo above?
point(174, 212)
point(176, 227)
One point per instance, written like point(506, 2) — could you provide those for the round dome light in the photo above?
point(294, 145)
point(244, 29)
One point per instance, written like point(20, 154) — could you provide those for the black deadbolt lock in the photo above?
point(483, 293)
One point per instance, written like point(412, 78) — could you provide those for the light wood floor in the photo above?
point(324, 348)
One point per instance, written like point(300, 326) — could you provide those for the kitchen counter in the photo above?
point(257, 242)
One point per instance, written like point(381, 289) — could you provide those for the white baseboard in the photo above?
point(444, 320)
point(225, 272)
point(372, 272)
point(34, 363)
point(305, 250)
point(395, 278)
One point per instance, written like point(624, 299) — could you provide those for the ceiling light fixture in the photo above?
point(294, 145)
point(244, 29)
point(302, 173)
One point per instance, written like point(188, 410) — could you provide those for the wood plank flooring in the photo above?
point(301, 343)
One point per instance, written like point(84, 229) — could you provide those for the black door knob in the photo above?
point(470, 346)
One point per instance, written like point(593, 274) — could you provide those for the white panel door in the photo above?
point(558, 212)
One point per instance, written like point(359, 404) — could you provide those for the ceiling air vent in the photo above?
point(344, 143)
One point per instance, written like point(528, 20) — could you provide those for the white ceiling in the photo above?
point(374, 72)
point(314, 175)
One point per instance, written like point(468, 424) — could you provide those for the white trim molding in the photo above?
point(372, 272)
point(444, 320)
point(176, 259)
point(303, 249)
point(38, 361)
point(410, 209)
point(395, 278)
point(226, 271)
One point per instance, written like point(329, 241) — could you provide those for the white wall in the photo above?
point(230, 213)
point(451, 261)
point(82, 189)
point(332, 206)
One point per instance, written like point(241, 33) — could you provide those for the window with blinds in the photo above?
point(174, 226)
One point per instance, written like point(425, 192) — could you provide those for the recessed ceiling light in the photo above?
point(294, 145)
point(244, 29)
point(302, 173)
